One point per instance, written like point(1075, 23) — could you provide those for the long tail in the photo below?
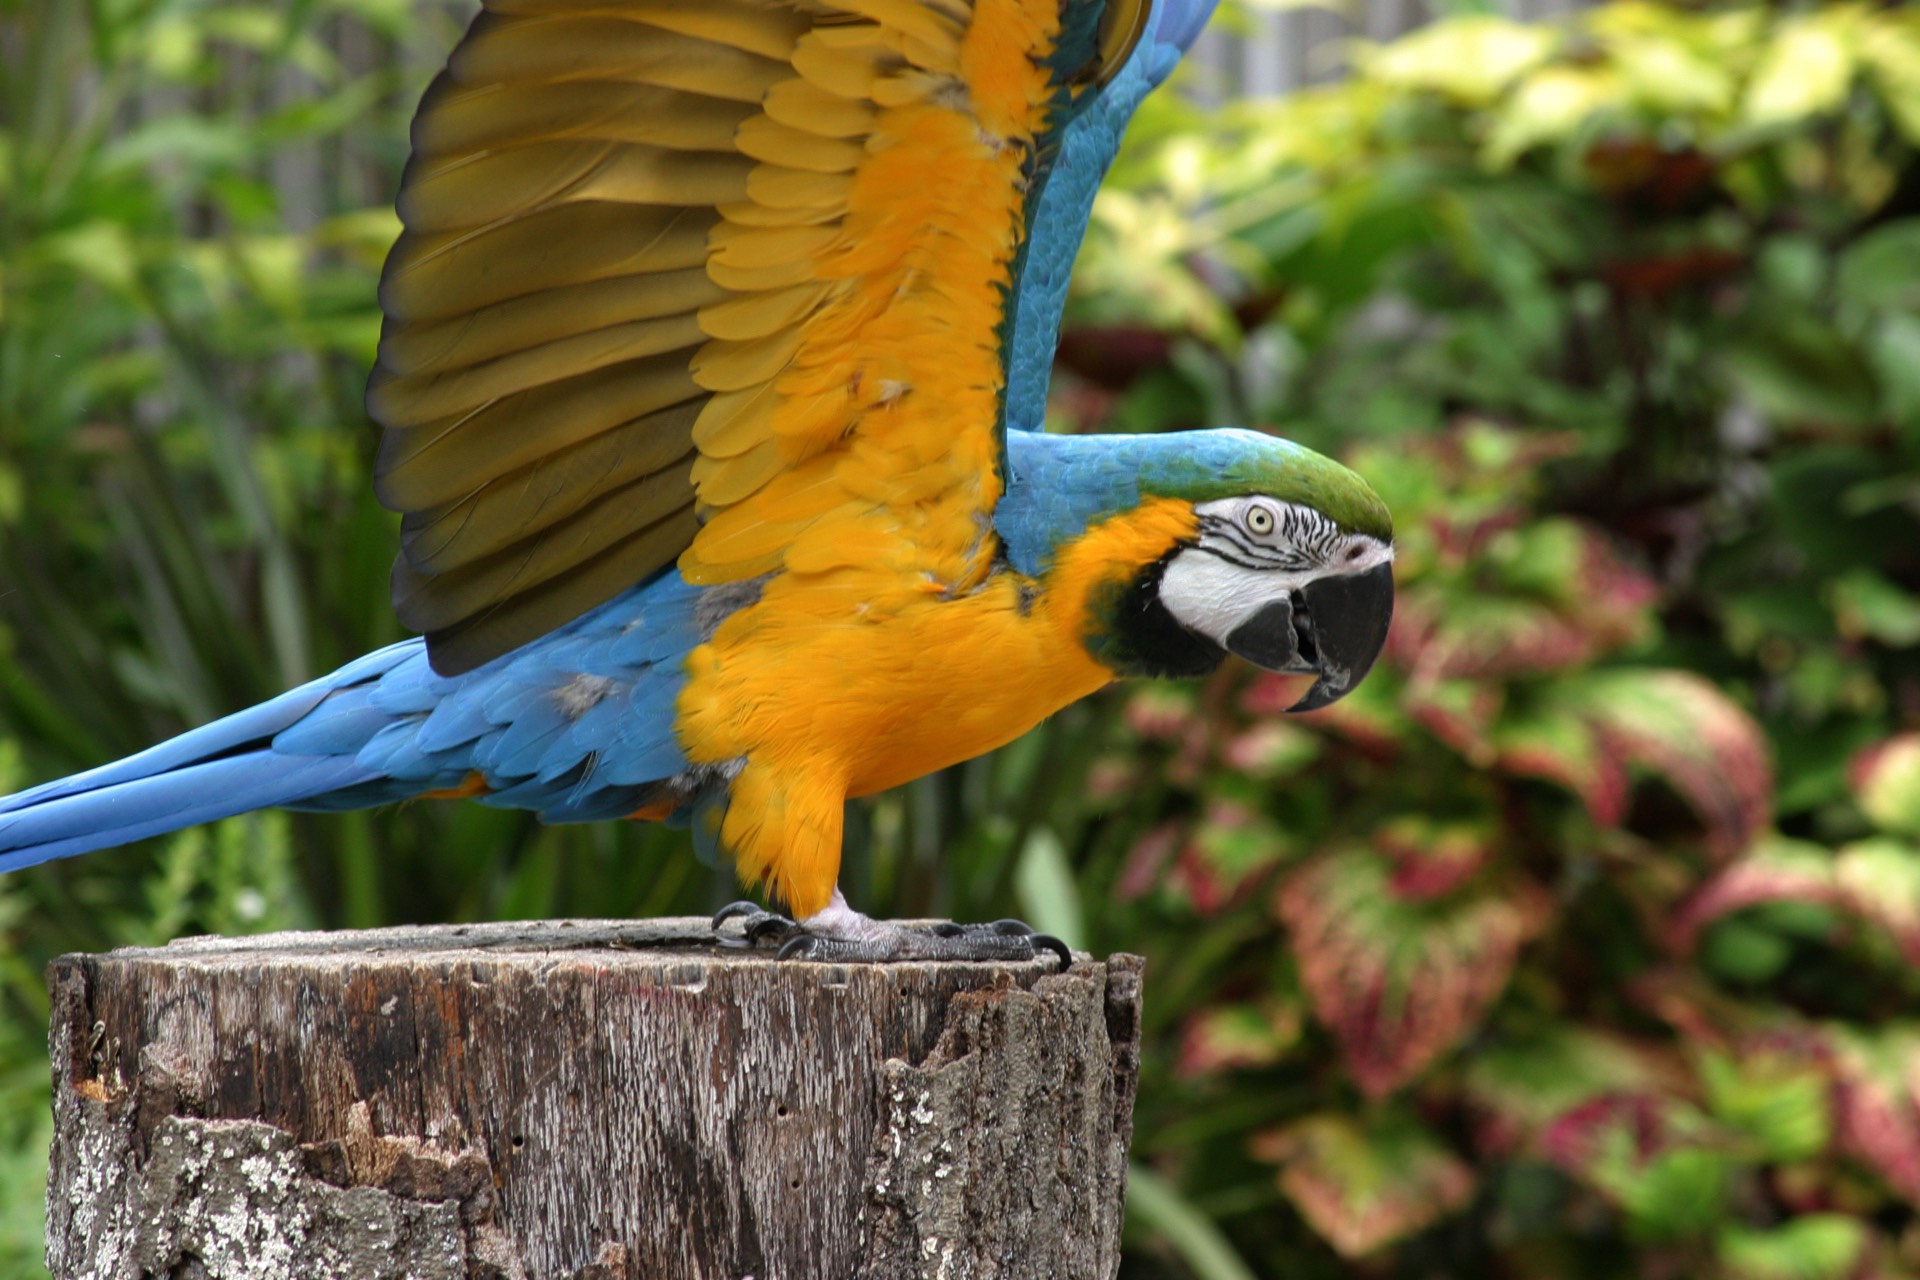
point(228, 767)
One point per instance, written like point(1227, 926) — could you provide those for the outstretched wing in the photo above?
point(723, 281)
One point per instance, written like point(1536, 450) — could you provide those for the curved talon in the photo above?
point(1047, 942)
point(733, 911)
point(1012, 929)
point(798, 947)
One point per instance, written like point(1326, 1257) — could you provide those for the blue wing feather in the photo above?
point(1082, 150)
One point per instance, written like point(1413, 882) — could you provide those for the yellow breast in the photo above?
point(846, 683)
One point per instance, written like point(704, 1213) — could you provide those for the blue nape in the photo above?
point(1058, 485)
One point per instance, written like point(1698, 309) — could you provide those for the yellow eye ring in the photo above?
point(1259, 521)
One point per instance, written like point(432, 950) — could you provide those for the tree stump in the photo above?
point(595, 1100)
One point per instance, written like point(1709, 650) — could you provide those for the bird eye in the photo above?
point(1259, 521)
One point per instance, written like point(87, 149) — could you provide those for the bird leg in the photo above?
point(837, 934)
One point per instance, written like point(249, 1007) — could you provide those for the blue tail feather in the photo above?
point(546, 735)
point(123, 811)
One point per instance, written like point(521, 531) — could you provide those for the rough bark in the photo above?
point(583, 1099)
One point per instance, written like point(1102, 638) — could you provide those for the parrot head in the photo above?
point(1288, 563)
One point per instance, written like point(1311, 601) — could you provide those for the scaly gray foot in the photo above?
point(841, 935)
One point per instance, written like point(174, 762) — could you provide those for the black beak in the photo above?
point(1333, 628)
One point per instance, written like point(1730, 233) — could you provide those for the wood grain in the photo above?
point(596, 1100)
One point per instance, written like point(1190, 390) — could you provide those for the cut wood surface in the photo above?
point(597, 1100)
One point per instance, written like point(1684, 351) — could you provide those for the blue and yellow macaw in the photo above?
point(715, 360)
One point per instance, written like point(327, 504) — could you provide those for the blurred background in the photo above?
point(1583, 941)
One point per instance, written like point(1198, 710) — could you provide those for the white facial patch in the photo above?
point(1212, 597)
point(1253, 551)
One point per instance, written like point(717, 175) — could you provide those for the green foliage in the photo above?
point(1582, 940)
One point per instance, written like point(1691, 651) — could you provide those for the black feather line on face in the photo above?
point(1301, 540)
point(1133, 634)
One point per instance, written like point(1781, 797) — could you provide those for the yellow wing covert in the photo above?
point(721, 282)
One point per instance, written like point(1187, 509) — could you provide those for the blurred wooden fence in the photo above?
point(1261, 49)
point(1268, 49)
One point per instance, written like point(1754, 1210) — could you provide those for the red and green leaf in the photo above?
point(1877, 1097)
point(1432, 859)
point(1461, 713)
point(1682, 729)
point(1556, 743)
point(1520, 1089)
point(1399, 981)
point(1774, 870)
point(1235, 1036)
point(1362, 1186)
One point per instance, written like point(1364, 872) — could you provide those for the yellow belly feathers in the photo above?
point(825, 696)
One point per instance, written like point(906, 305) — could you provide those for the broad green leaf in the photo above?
point(1397, 981)
point(1554, 742)
point(1779, 1101)
point(1678, 1193)
point(1799, 369)
point(1364, 1184)
point(1894, 350)
point(1868, 606)
point(1461, 713)
point(1473, 59)
point(1807, 67)
point(1549, 106)
point(1818, 1246)
point(1882, 267)
point(1891, 47)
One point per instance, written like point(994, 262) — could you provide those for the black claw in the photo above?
point(947, 929)
point(1047, 942)
point(1012, 928)
point(797, 948)
point(768, 924)
point(733, 911)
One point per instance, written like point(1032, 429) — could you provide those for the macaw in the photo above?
point(712, 381)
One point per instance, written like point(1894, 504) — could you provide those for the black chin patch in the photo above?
point(1135, 635)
